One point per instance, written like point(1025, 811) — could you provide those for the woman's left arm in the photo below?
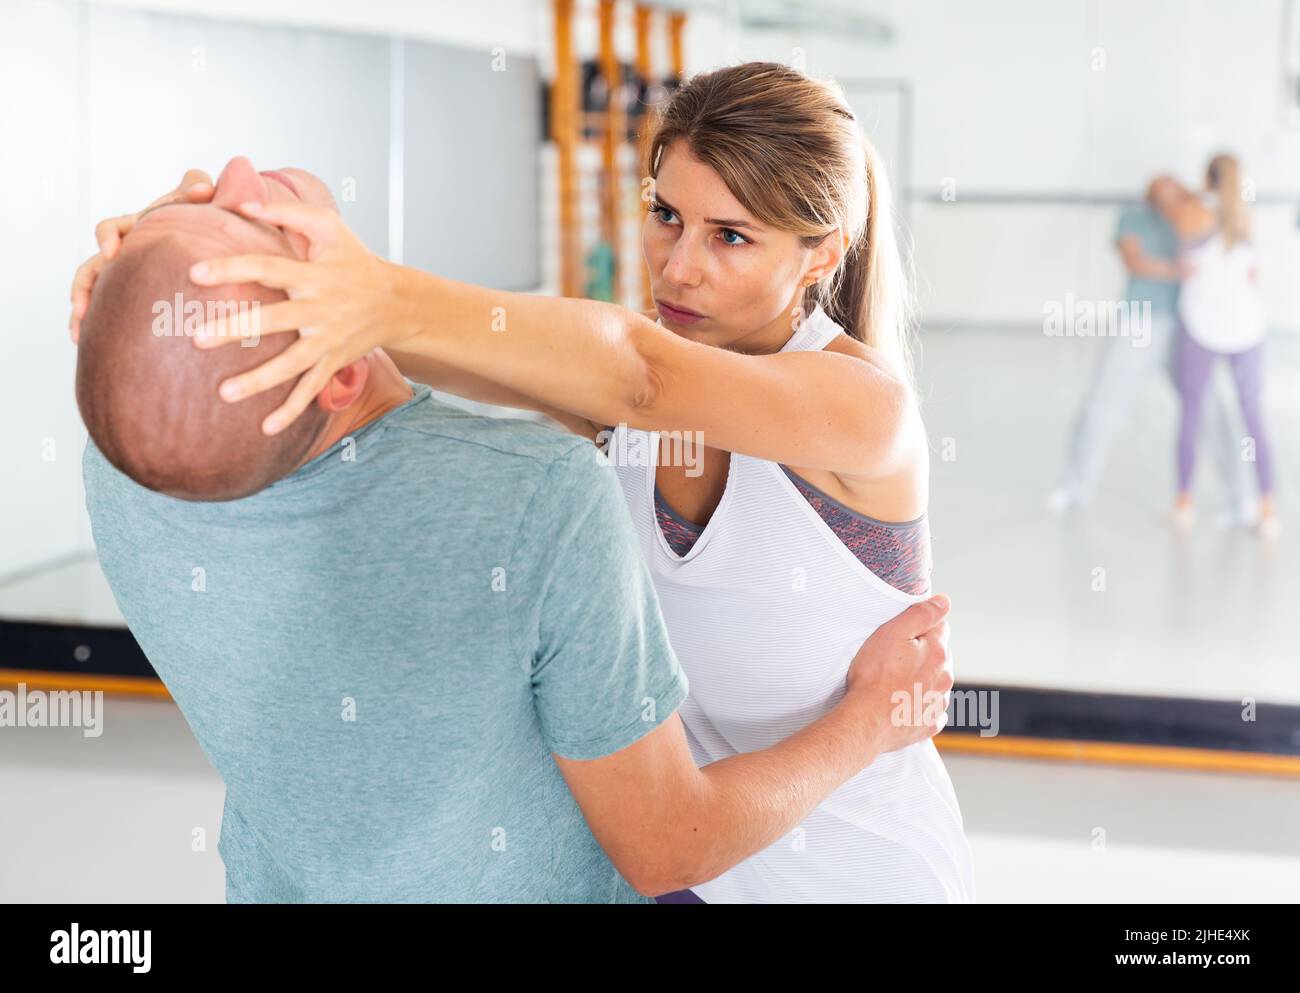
point(849, 415)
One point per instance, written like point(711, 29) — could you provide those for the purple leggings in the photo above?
point(679, 896)
point(1195, 366)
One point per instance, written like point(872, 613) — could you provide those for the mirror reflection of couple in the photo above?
point(442, 657)
point(1191, 257)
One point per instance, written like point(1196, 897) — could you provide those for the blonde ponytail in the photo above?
point(1224, 175)
point(870, 295)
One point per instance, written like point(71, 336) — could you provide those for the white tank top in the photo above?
point(1219, 304)
point(765, 613)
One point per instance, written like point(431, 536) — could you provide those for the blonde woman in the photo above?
point(779, 341)
point(1222, 317)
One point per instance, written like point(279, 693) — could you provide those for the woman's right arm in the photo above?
point(449, 379)
point(196, 187)
point(465, 384)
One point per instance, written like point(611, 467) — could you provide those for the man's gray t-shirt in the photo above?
point(1158, 241)
point(380, 652)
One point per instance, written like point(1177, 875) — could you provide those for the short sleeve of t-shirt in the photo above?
point(1131, 222)
point(1155, 236)
point(604, 674)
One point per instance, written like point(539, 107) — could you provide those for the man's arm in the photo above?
point(667, 825)
point(1140, 264)
point(606, 685)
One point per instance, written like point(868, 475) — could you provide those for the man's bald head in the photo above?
point(149, 399)
point(1164, 191)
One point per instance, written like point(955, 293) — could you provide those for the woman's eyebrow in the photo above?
point(720, 221)
point(723, 222)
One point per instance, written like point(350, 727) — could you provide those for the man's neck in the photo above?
point(384, 392)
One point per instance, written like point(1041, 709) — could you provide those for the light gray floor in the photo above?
point(1204, 614)
point(134, 816)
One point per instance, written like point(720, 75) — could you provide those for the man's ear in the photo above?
point(344, 387)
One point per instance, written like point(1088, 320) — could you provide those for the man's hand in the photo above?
point(902, 677)
point(195, 187)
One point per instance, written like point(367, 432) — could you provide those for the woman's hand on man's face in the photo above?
point(196, 186)
point(343, 302)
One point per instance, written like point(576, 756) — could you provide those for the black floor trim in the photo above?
point(72, 648)
point(1179, 722)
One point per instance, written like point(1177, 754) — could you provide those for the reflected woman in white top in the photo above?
point(1221, 313)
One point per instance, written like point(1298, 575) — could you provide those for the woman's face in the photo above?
point(717, 275)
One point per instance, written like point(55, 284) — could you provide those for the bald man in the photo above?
point(385, 623)
point(143, 394)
